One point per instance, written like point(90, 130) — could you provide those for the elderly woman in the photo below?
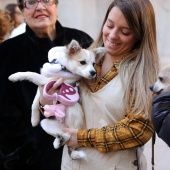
point(23, 147)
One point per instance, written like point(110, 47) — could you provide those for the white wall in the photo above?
point(86, 15)
point(162, 11)
point(4, 2)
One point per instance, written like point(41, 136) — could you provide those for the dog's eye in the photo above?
point(161, 78)
point(83, 62)
point(94, 64)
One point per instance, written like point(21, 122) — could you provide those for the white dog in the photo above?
point(162, 85)
point(80, 63)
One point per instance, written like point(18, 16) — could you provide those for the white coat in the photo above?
point(102, 108)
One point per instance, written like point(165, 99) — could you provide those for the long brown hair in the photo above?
point(139, 69)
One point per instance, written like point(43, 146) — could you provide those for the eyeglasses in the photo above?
point(32, 4)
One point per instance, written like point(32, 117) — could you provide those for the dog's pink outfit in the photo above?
point(66, 96)
point(55, 110)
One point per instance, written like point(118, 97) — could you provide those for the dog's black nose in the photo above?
point(93, 73)
point(151, 87)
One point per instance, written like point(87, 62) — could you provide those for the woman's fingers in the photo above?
point(57, 83)
point(52, 90)
point(73, 139)
point(55, 86)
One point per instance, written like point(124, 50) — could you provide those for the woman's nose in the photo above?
point(114, 34)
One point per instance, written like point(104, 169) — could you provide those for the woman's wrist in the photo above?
point(44, 101)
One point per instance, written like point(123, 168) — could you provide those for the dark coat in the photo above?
point(161, 117)
point(23, 147)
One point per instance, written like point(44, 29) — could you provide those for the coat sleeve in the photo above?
point(161, 117)
point(130, 132)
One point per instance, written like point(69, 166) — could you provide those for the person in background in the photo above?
point(117, 103)
point(18, 19)
point(23, 147)
point(6, 25)
point(161, 116)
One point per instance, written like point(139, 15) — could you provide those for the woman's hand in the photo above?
point(73, 139)
point(52, 90)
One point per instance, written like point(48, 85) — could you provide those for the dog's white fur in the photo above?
point(80, 63)
point(162, 85)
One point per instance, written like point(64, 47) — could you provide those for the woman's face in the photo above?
point(117, 36)
point(42, 17)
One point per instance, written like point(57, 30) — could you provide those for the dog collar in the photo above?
point(67, 95)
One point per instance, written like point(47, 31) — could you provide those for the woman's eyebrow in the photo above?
point(121, 27)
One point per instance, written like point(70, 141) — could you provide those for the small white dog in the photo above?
point(162, 85)
point(80, 63)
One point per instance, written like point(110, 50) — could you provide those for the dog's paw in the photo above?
point(77, 154)
point(13, 77)
point(61, 139)
point(35, 121)
point(56, 143)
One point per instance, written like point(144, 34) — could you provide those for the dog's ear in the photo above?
point(73, 47)
point(99, 52)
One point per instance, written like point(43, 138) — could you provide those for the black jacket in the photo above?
point(161, 117)
point(23, 147)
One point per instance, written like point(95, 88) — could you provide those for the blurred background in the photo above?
point(87, 15)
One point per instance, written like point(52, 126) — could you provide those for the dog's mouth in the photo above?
point(155, 91)
point(158, 92)
point(65, 69)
